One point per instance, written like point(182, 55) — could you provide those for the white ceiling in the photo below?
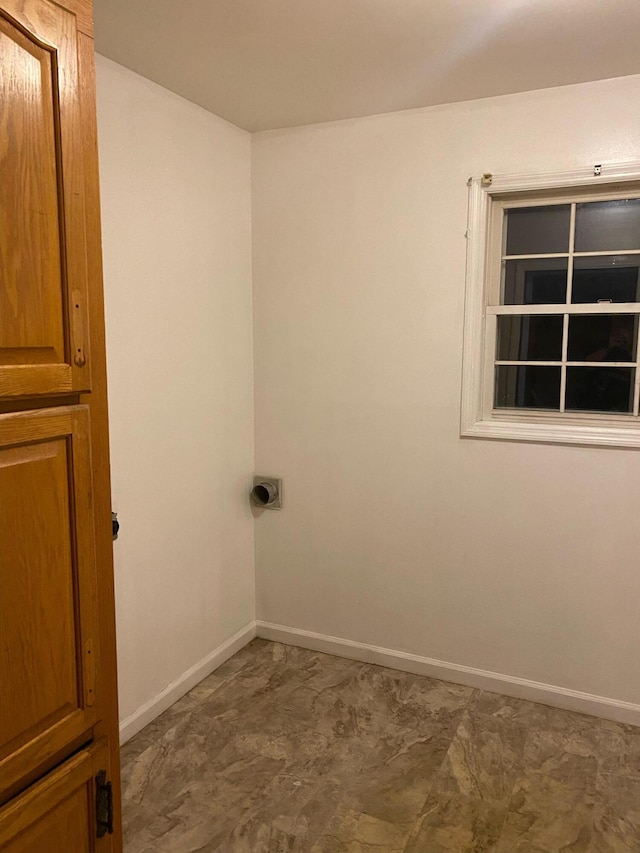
point(265, 64)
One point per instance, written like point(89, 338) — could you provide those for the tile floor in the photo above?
point(284, 750)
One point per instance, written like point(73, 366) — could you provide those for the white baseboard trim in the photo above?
point(494, 682)
point(132, 724)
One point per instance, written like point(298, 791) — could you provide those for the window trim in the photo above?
point(476, 421)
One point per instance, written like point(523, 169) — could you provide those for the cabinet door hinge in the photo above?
point(104, 805)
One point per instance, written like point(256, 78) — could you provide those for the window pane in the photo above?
point(536, 337)
point(607, 279)
point(527, 387)
point(600, 389)
point(602, 337)
point(538, 230)
point(534, 282)
point(608, 225)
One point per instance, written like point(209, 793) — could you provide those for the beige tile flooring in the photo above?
point(284, 750)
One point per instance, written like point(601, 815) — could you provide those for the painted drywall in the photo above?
point(521, 559)
point(175, 189)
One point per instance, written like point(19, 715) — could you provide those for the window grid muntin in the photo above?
point(551, 255)
point(567, 309)
point(636, 393)
point(565, 319)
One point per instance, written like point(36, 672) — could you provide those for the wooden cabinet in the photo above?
point(48, 665)
point(43, 299)
point(58, 698)
point(59, 814)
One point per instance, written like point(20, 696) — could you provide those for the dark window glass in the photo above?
point(602, 337)
point(603, 226)
point(536, 337)
point(535, 282)
point(527, 387)
point(600, 389)
point(538, 230)
point(608, 279)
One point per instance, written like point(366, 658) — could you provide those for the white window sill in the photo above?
point(554, 433)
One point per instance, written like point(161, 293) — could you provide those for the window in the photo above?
point(552, 313)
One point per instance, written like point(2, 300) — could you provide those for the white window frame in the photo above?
point(478, 417)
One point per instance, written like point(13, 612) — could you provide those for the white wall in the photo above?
point(523, 559)
point(175, 187)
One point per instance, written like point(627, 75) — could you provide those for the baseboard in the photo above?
point(495, 682)
point(132, 724)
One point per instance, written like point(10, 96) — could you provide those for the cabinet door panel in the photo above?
point(47, 606)
point(57, 814)
point(42, 233)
